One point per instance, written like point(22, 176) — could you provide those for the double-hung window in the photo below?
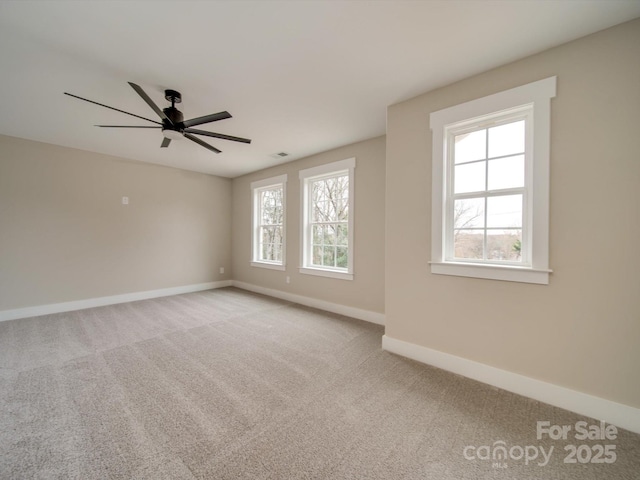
point(327, 220)
point(491, 186)
point(268, 222)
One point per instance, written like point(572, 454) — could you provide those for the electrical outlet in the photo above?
point(221, 269)
point(125, 200)
point(288, 279)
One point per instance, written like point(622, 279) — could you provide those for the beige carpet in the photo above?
point(226, 384)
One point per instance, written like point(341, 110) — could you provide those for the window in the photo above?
point(485, 198)
point(327, 220)
point(490, 206)
point(268, 222)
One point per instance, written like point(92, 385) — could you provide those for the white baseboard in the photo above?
point(360, 314)
point(598, 408)
point(102, 301)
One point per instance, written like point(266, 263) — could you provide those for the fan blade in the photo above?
point(217, 135)
point(125, 126)
point(214, 117)
point(200, 142)
point(147, 99)
point(116, 109)
point(165, 142)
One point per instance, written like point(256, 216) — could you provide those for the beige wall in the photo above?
point(366, 291)
point(583, 330)
point(65, 235)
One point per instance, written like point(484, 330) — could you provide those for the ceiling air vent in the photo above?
point(280, 155)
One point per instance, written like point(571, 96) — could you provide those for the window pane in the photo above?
point(270, 198)
point(271, 243)
point(504, 211)
point(469, 177)
point(317, 234)
point(264, 198)
point(267, 215)
point(277, 235)
point(343, 212)
point(506, 139)
point(271, 208)
point(342, 260)
point(318, 214)
point(328, 259)
point(329, 185)
point(468, 244)
point(267, 235)
point(329, 232)
point(330, 199)
point(344, 187)
point(277, 252)
point(271, 252)
point(332, 209)
point(506, 173)
point(342, 237)
point(470, 146)
point(317, 255)
point(504, 245)
point(318, 191)
point(468, 213)
point(277, 215)
point(340, 187)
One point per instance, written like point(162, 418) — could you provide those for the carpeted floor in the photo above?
point(226, 384)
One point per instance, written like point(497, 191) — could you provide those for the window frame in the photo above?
point(535, 229)
point(257, 187)
point(523, 113)
point(307, 176)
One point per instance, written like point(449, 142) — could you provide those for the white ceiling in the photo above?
point(298, 76)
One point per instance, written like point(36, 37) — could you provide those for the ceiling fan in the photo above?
point(173, 126)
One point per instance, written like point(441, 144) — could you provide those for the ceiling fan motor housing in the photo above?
point(174, 115)
point(174, 132)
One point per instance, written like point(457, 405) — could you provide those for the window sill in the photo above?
point(492, 272)
point(321, 272)
point(271, 266)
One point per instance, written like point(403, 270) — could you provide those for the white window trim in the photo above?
point(329, 169)
point(280, 180)
point(539, 95)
